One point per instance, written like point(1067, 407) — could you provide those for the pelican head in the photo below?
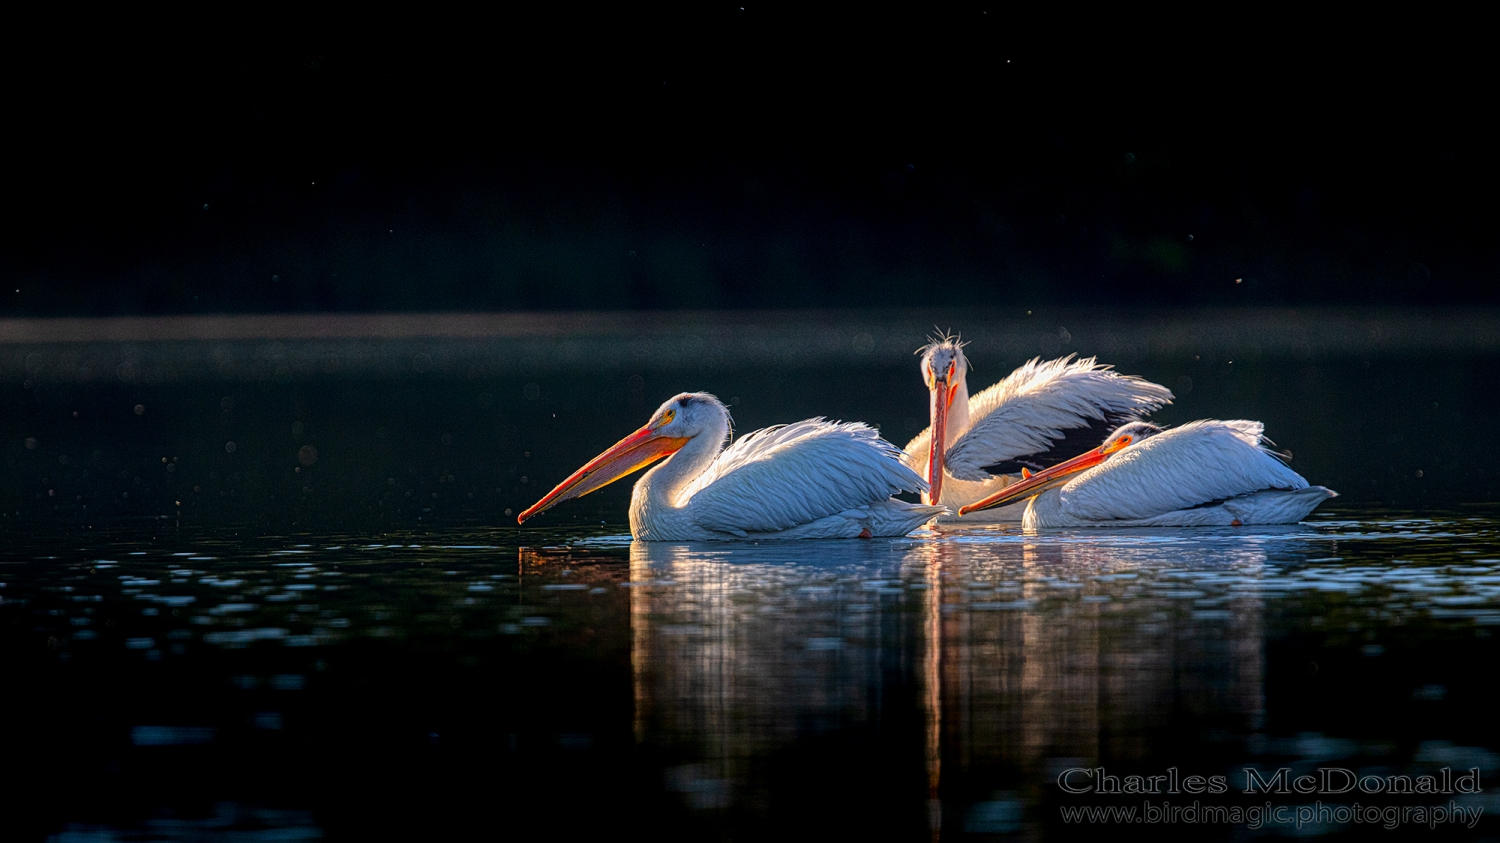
point(673, 425)
point(1034, 484)
point(944, 368)
point(1130, 433)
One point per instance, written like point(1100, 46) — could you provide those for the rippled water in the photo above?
point(165, 682)
point(259, 580)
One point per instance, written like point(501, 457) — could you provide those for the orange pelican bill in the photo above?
point(1041, 481)
point(943, 390)
point(634, 452)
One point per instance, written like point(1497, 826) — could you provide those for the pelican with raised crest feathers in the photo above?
point(814, 479)
point(1037, 415)
point(1202, 474)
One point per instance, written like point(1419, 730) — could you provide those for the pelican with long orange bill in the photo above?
point(811, 479)
point(1205, 473)
point(1037, 414)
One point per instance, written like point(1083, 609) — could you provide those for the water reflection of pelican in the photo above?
point(1172, 628)
point(725, 637)
point(811, 479)
point(996, 658)
point(1036, 415)
point(1202, 474)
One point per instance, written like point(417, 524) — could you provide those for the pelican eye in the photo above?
point(666, 418)
point(952, 365)
point(1121, 442)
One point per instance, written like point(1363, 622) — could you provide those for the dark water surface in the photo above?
point(260, 580)
point(379, 421)
point(171, 682)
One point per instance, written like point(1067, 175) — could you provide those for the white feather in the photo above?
point(1033, 406)
point(1179, 468)
point(1203, 473)
point(784, 476)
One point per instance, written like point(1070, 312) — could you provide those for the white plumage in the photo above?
point(811, 479)
point(1205, 473)
point(1020, 418)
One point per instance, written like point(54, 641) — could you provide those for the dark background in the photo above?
point(269, 161)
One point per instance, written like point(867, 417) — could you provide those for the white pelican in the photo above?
point(1202, 474)
point(1037, 415)
point(810, 480)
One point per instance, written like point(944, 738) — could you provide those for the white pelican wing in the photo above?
point(915, 452)
point(788, 475)
point(1038, 402)
point(1179, 468)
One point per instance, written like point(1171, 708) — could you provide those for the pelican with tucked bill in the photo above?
point(1201, 474)
point(814, 479)
point(1037, 415)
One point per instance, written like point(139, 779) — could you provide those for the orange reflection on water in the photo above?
point(996, 659)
